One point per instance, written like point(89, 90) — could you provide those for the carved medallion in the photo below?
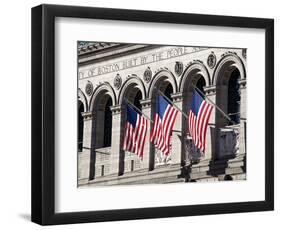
point(117, 81)
point(147, 75)
point(212, 60)
point(178, 68)
point(89, 88)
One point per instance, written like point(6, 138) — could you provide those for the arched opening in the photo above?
point(228, 96)
point(200, 84)
point(199, 81)
point(168, 91)
point(137, 99)
point(103, 122)
point(157, 158)
point(228, 99)
point(233, 97)
point(129, 161)
point(101, 134)
point(80, 126)
point(192, 153)
point(107, 123)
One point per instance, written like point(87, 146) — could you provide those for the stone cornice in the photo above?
point(115, 109)
point(145, 103)
point(177, 96)
point(210, 90)
point(114, 52)
point(87, 115)
point(242, 83)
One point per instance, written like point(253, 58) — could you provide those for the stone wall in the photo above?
point(181, 67)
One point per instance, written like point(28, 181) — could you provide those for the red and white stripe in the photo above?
point(134, 138)
point(161, 132)
point(198, 125)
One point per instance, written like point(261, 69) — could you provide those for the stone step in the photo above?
point(158, 175)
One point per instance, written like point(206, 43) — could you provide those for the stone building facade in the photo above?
point(109, 72)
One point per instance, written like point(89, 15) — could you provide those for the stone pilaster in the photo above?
point(177, 133)
point(116, 140)
point(85, 155)
point(243, 117)
point(87, 132)
point(146, 109)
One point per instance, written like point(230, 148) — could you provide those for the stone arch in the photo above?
point(195, 69)
point(83, 99)
point(226, 65)
point(229, 71)
point(163, 75)
point(229, 64)
point(164, 81)
point(105, 88)
point(194, 73)
point(102, 100)
point(133, 90)
point(134, 82)
point(80, 110)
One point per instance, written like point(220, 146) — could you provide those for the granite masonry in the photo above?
point(110, 72)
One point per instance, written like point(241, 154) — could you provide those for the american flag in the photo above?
point(198, 120)
point(164, 121)
point(135, 132)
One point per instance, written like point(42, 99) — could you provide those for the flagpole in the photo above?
point(218, 108)
point(136, 108)
point(168, 99)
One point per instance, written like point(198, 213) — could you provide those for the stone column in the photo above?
point(116, 146)
point(85, 155)
point(87, 132)
point(211, 129)
point(243, 116)
point(146, 109)
point(177, 133)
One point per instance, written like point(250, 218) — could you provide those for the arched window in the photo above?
point(101, 132)
point(137, 99)
point(233, 101)
point(103, 122)
point(158, 157)
point(80, 126)
point(129, 161)
point(107, 123)
point(168, 91)
point(228, 100)
point(201, 83)
point(191, 152)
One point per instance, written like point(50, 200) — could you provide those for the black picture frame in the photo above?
point(43, 114)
